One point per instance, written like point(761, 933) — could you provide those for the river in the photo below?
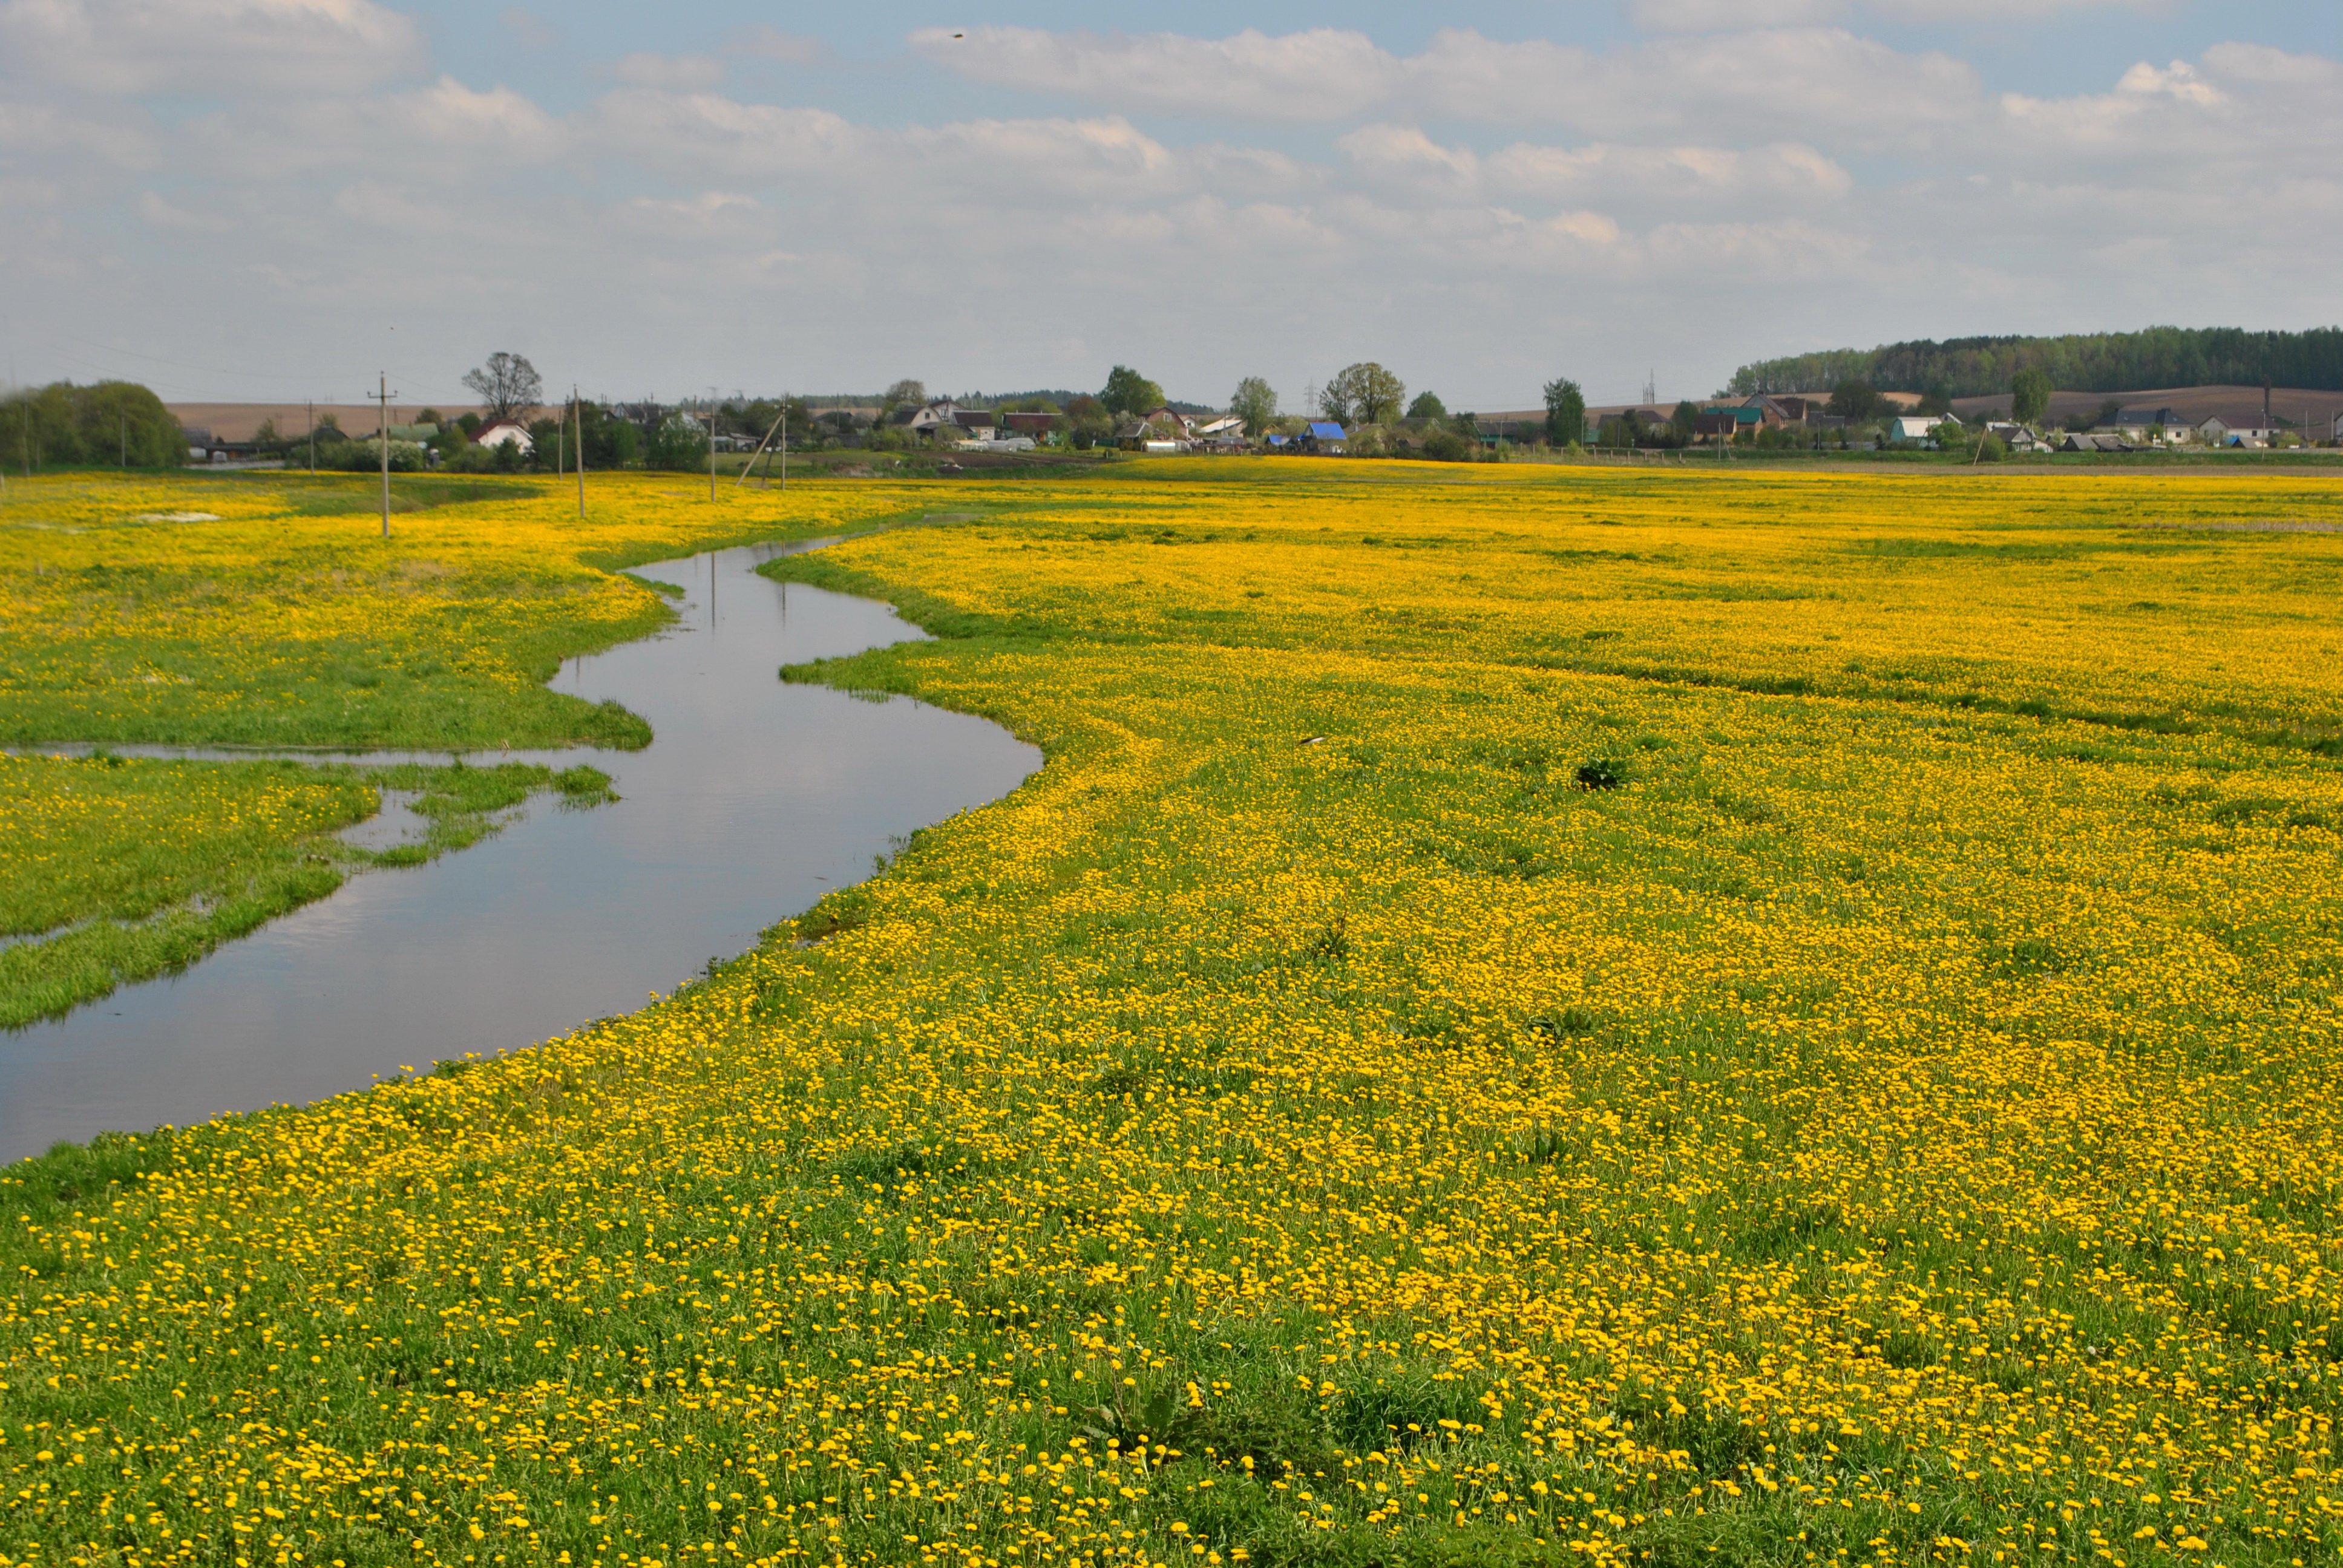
point(754, 798)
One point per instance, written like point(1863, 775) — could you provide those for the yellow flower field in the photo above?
point(1531, 1017)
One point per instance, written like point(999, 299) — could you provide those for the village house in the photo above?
point(504, 433)
point(1038, 426)
point(1727, 421)
point(2236, 430)
point(1918, 427)
point(2139, 425)
point(931, 417)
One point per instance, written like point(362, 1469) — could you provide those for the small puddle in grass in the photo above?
point(753, 799)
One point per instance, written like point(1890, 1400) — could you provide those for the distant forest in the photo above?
point(2083, 362)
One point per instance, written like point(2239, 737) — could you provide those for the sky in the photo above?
point(258, 200)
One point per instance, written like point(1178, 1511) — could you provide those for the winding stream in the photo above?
point(754, 800)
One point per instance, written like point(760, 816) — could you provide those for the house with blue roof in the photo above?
point(1323, 436)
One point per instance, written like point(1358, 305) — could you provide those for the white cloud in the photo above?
point(671, 72)
point(1487, 212)
point(1718, 15)
point(1323, 73)
point(684, 131)
point(529, 29)
point(1747, 15)
point(2178, 81)
point(208, 48)
point(1805, 77)
point(167, 214)
point(2260, 64)
point(498, 120)
point(789, 48)
point(379, 205)
point(1814, 80)
point(1785, 173)
point(31, 130)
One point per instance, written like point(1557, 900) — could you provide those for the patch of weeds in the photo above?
point(2243, 806)
point(1714, 1444)
point(1117, 1081)
point(1331, 945)
point(1742, 807)
point(1489, 855)
point(905, 1164)
point(2026, 957)
point(583, 788)
point(844, 911)
point(88, 1177)
point(1529, 760)
point(1278, 1429)
point(1391, 1416)
point(1601, 773)
point(1568, 1023)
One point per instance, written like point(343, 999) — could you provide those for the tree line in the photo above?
point(113, 423)
point(2079, 362)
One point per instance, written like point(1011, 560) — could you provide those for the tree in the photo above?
point(2029, 396)
point(1126, 392)
point(907, 391)
point(679, 442)
point(1427, 406)
point(1855, 399)
point(1448, 444)
point(1365, 392)
point(1087, 422)
point(507, 386)
point(111, 423)
point(2081, 362)
point(1255, 402)
point(1565, 413)
point(1684, 419)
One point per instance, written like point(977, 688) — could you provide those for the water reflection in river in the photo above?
point(755, 799)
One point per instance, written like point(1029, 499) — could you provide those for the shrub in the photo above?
point(1601, 773)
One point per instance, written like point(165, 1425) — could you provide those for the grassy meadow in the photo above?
point(1533, 1016)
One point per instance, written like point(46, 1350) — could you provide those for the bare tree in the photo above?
point(507, 386)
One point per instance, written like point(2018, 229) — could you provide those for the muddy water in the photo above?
point(754, 800)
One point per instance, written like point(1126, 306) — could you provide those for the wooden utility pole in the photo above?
point(712, 453)
point(780, 424)
point(382, 396)
point(578, 422)
point(313, 435)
